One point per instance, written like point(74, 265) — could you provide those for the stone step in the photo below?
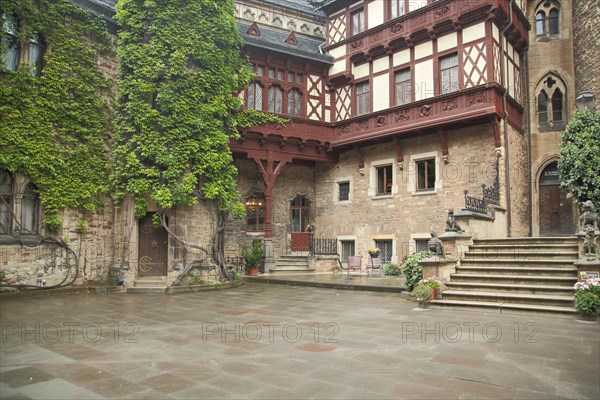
point(505, 308)
point(291, 270)
point(505, 287)
point(481, 262)
point(515, 279)
point(520, 255)
point(149, 283)
point(527, 246)
point(504, 297)
point(538, 271)
point(527, 240)
point(147, 289)
point(291, 263)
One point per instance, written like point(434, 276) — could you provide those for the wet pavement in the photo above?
point(265, 341)
point(344, 280)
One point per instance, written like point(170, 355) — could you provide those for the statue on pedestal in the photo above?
point(589, 217)
point(434, 246)
point(451, 225)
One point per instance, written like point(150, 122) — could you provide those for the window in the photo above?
point(255, 96)
point(421, 244)
point(275, 99)
point(358, 21)
point(403, 87)
point(348, 249)
point(363, 100)
point(10, 43)
point(294, 102)
point(386, 249)
point(449, 73)
point(547, 19)
point(272, 73)
point(426, 174)
point(384, 180)
point(300, 211)
point(255, 213)
point(542, 107)
point(6, 196)
point(35, 55)
point(29, 210)
point(260, 70)
point(540, 23)
point(557, 106)
point(343, 191)
point(553, 21)
point(398, 7)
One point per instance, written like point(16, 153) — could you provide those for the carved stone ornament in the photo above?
point(380, 120)
point(377, 36)
point(451, 225)
point(402, 116)
point(356, 44)
point(434, 246)
point(450, 105)
point(396, 28)
point(589, 217)
point(440, 12)
point(344, 130)
point(480, 97)
point(425, 111)
point(362, 126)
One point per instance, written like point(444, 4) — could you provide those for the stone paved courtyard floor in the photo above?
point(265, 341)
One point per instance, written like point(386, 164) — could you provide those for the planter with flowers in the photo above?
point(374, 252)
point(310, 229)
point(587, 298)
point(432, 283)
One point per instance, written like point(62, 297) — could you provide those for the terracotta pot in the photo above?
point(253, 271)
point(432, 295)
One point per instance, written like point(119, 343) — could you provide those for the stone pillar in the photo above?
point(455, 244)
point(269, 259)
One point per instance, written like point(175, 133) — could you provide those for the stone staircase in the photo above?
point(291, 265)
point(149, 284)
point(515, 275)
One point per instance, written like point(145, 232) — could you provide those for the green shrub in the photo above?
point(392, 270)
point(412, 269)
point(422, 292)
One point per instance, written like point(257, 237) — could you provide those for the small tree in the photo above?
point(579, 163)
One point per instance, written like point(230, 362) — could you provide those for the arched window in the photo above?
point(255, 96)
point(275, 99)
point(540, 23)
point(29, 210)
point(553, 21)
point(255, 212)
point(542, 107)
point(6, 199)
point(294, 102)
point(557, 106)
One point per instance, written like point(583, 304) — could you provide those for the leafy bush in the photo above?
point(412, 269)
point(432, 282)
point(587, 297)
point(422, 292)
point(392, 270)
point(1, 275)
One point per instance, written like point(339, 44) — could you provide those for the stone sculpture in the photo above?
point(451, 225)
point(434, 246)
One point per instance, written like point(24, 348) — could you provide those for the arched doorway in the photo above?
point(556, 211)
point(299, 220)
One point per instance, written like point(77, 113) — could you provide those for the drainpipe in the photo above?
point(505, 87)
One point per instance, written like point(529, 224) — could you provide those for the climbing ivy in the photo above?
point(180, 68)
point(54, 128)
point(579, 162)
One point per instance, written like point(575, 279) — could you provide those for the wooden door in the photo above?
point(300, 219)
point(556, 211)
point(153, 248)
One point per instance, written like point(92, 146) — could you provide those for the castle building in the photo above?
point(399, 111)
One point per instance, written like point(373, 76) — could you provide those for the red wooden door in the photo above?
point(556, 211)
point(300, 219)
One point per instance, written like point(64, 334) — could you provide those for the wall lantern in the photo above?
point(586, 101)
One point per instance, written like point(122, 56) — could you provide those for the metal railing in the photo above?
point(323, 246)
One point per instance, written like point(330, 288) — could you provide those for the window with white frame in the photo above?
point(275, 99)
point(348, 249)
point(425, 174)
point(363, 99)
point(403, 87)
point(449, 73)
point(398, 8)
point(255, 91)
point(294, 102)
point(358, 21)
point(384, 179)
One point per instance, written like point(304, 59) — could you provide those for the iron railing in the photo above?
point(323, 246)
point(475, 204)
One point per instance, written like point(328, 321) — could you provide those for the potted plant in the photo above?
point(335, 270)
point(252, 255)
point(587, 298)
point(374, 252)
point(310, 228)
point(434, 283)
point(423, 293)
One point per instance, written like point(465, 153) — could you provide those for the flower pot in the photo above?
point(253, 271)
point(374, 255)
point(432, 295)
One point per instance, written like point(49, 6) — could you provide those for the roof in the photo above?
point(274, 40)
point(298, 5)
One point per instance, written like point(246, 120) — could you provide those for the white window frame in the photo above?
point(412, 174)
point(336, 190)
point(372, 191)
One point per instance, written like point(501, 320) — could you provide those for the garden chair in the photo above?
point(354, 262)
point(375, 263)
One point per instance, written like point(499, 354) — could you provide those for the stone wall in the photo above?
point(406, 215)
point(519, 183)
point(586, 20)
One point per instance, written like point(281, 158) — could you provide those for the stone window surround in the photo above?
point(372, 191)
point(336, 190)
point(392, 238)
point(19, 185)
point(541, 7)
point(558, 83)
point(412, 244)
point(412, 173)
point(346, 238)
